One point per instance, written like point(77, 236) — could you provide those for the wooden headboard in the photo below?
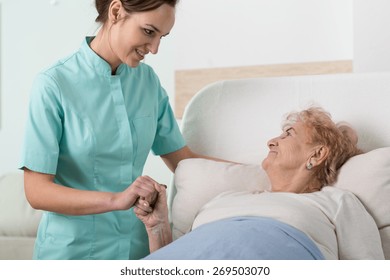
point(189, 82)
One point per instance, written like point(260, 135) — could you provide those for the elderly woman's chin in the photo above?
point(265, 163)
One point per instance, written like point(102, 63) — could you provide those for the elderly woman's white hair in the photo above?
point(341, 140)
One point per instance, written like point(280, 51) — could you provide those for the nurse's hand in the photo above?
point(143, 187)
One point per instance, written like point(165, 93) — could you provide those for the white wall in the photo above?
point(33, 35)
point(224, 33)
point(371, 36)
point(208, 33)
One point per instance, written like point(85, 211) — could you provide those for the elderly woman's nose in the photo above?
point(272, 142)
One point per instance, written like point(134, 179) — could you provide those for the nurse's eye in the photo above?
point(148, 32)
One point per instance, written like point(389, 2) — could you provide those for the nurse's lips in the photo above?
point(140, 54)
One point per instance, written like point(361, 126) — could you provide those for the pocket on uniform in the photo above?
point(65, 237)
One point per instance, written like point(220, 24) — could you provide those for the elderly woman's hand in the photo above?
point(156, 214)
point(155, 218)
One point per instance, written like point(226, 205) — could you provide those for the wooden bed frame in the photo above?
point(189, 82)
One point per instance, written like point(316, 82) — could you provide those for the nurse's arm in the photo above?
point(44, 194)
point(173, 159)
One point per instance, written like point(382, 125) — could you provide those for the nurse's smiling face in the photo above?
point(135, 35)
point(127, 37)
point(132, 36)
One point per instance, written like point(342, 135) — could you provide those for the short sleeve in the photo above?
point(43, 129)
point(168, 136)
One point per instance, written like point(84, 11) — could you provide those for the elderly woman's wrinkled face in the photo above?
point(290, 151)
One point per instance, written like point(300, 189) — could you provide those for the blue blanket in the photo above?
point(241, 238)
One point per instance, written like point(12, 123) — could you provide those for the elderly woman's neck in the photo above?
point(297, 184)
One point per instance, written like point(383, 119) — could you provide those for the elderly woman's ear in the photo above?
point(319, 155)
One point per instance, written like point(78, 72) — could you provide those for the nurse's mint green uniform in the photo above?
point(94, 131)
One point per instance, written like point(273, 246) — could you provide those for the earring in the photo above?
point(309, 166)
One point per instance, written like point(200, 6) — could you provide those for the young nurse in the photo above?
point(93, 118)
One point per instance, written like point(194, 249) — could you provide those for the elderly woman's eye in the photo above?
point(287, 131)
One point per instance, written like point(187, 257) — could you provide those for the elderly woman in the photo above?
point(300, 162)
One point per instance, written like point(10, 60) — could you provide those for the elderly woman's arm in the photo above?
point(357, 233)
point(155, 218)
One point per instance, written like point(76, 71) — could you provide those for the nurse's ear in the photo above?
point(114, 11)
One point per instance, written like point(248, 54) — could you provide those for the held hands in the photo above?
point(153, 215)
point(143, 187)
point(149, 200)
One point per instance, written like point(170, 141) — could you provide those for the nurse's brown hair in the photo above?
point(130, 6)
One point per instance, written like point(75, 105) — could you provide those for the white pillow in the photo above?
point(199, 180)
point(368, 177)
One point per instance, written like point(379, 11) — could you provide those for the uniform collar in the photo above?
point(94, 60)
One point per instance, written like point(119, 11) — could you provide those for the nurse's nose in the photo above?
point(154, 45)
